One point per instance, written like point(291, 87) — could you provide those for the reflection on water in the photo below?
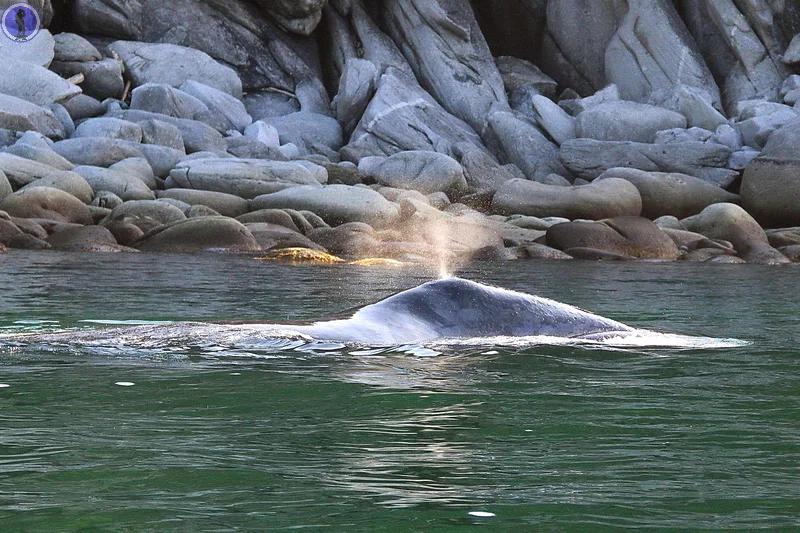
point(413, 457)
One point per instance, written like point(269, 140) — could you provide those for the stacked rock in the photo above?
point(406, 129)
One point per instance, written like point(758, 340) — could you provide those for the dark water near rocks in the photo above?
point(323, 437)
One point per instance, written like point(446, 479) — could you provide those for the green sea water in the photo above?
point(210, 437)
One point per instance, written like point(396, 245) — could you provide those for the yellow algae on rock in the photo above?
point(300, 255)
point(377, 261)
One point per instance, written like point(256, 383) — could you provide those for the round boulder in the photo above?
point(354, 239)
point(608, 198)
point(732, 223)
point(674, 194)
point(200, 234)
point(629, 237)
point(46, 203)
point(69, 182)
point(161, 212)
point(124, 184)
point(69, 237)
point(274, 236)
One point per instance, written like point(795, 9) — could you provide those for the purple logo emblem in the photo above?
point(20, 22)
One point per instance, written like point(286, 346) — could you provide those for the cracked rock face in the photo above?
point(295, 16)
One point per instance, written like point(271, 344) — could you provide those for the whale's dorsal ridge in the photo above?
point(460, 308)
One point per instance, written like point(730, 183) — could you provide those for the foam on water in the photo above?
point(260, 341)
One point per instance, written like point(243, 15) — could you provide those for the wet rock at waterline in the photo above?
point(631, 237)
point(732, 223)
point(46, 203)
point(198, 235)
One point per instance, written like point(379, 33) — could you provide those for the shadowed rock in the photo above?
point(587, 158)
point(632, 237)
point(198, 235)
point(231, 31)
point(46, 203)
point(771, 184)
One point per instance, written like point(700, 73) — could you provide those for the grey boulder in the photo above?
point(558, 124)
point(426, 172)
point(173, 65)
point(96, 151)
point(228, 205)
point(402, 116)
point(336, 204)
point(771, 184)
point(623, 237)
point(733, 224)
point(225, 110)
point(197, 136)
point(39, 51)
point(199, 234)
point(161, 212)
point(39, 154)
point(21, 171)
point(626, 121)
point(602, 199)
point(20, 115)
point(69, 182)
point(123, 184)
point(33, 83)
point(109, 128)
point(670, 193)
point(515, 140)
point(162, 133)
point(72, 47)
point(587, 158)
point(46, 203)
point(694, 103)
point(312, 133)
point(101, 79)
point(246, 178)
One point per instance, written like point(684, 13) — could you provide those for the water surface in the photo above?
point(205, 435)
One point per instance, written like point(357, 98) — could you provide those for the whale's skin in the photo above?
point(457, 308)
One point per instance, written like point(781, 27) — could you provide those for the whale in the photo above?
point(444, 312)
point(456, 308)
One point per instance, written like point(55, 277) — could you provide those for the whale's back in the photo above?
point(458, 308)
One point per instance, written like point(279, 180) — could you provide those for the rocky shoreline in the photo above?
point(405, 129)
